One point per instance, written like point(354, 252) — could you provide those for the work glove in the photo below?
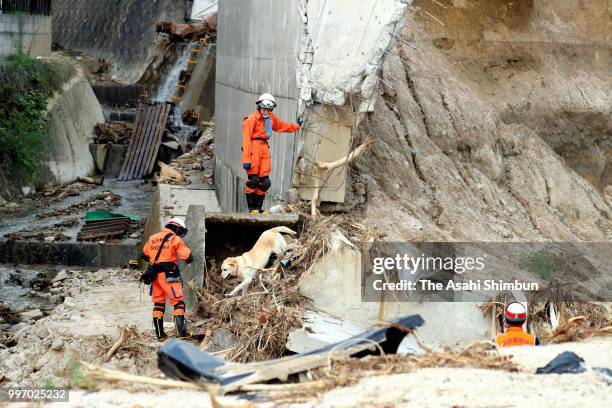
point(299, 121)
point(246, 166)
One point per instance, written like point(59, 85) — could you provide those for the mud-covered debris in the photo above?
point(9, 315)
point(41, 281)
point(102, 201)
point(53, 233)
point(44, 198)
point(113, 132)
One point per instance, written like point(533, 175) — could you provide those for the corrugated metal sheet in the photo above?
point(257, 51)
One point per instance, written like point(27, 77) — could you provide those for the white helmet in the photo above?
point(176, 221)
point(267, 101)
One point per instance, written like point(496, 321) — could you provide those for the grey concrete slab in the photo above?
point(194, 272)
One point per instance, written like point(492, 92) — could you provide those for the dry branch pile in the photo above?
point(113, 132)
point(348, 372)
point(131, 344)
point(273, 307)
point(170, 175)
point(577, 320)
point(261, 320)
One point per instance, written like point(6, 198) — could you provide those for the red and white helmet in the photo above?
point(515, 313)
point(176, 221)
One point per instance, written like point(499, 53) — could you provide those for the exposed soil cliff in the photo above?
point(507, 106)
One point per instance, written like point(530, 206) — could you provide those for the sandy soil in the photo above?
point(446, 387)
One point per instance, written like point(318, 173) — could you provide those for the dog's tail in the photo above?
point(283, 229)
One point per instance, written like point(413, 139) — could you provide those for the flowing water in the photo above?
point(168, 88)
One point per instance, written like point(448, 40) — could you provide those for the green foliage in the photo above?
point(25, 86)
point(49, 384)
point(77, 377)
point(540, 262)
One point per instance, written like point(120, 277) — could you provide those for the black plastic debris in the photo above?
point(603, 370)
point(183, 361)
point(565, 363)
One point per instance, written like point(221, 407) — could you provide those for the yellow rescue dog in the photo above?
point(248, 264)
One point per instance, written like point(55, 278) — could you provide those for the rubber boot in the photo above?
point(158, 325)
point(259, 202)
point(251, 200)
point(181, 326)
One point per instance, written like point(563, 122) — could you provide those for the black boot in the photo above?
point(158, 325)
point(181, 326)
point(259, 202)
point(251, 202)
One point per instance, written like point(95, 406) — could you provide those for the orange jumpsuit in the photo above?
point(255, 149)
point(515, 336)
point(173, 250)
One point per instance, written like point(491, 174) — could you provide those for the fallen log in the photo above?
point(197, 29)
point(320, 167)
point(91, 180)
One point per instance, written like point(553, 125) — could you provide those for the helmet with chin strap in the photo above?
point(178, 226)
point(515, 313)
point(267, 101)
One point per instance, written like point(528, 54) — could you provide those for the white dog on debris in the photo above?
point(248, 264)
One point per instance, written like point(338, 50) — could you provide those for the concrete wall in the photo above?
point(31, 34)
point(334, 285)
point(200, 94)
point(257, 49)
point(344, 45)
point(122, 31)
point(73, 115)
point(312, 51)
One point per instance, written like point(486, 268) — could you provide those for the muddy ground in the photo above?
point(81, 310)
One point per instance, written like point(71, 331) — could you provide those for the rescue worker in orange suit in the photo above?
point(515, 316)
point(168, 283)
point(256, 132)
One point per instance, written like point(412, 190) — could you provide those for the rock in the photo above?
point(32, 315)
point(55, 290)
point(61, 275)
point(41, 362)
point(14, 375)
point(1, 376)
point(359, 189)
point(223, 339)
point(68, 302)
point(19, 326)
point(73, 292)
point(134, 235)
point(57, 344)
point(40, 330)
point(75, 316)
point(50, 238)
point(101, 242)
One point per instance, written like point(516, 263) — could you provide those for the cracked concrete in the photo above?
point(343, 46)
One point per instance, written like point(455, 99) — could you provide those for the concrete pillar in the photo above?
point(195, 222)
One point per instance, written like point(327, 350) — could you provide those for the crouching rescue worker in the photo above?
point(163, 250)
point(515, 316)
point(256, 132)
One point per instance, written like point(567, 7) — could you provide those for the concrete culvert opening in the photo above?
point(232, 234)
